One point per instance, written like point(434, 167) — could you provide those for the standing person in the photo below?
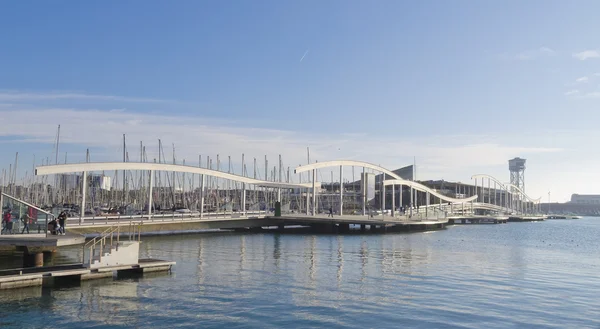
point(330, 212)
point(8, 221)
point(62, 220)
point(26, 220)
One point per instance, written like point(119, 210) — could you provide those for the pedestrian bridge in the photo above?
point(239, 197)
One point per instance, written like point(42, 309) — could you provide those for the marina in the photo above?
point(108, 218)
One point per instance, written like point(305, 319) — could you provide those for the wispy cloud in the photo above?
point(586, 54)
point(576, 94)
point(534, 53)
point(16, 96)
point(572, 92)
point(102, 130)
point(305, 53)
point(582, 79)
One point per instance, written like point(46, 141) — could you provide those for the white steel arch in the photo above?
point(337, 163)
point(108, 166)
point(523, 193)
point(505, 186)
point(396, 181)
point(423, 188)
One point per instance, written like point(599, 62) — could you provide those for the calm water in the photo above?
point(517, 275)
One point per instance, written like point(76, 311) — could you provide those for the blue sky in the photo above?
point(461, 85)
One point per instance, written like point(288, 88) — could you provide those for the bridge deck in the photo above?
point(358, 219)
point(40, 240)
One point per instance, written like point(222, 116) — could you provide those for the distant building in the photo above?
point(585, 198)
point(73, 181)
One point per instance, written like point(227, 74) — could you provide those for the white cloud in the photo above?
point(448, 156)
point(15, 96)
point(587, 54)
point(102, 131)
point(535, 53)
point(582, 79)
point(572, 92)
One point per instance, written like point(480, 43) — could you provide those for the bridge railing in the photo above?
point(118, 219)
point(24, 216)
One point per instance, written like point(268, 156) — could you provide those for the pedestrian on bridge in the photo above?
point(7, 220)
point(62, 221)
point(330, 212)
point(26, 220)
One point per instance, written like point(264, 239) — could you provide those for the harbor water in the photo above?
point(516, 275)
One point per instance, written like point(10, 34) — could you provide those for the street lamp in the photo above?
point(548, 202)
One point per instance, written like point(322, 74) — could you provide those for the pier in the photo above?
point(225, 200)
point(379, 201)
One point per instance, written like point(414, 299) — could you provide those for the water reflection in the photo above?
point(340, 259)
point(457, 278)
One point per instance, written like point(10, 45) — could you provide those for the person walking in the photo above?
point(8, 225)
point(26, 221)
point(330, 212)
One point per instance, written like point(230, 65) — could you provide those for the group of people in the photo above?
point(7, 222)
point(57, 226)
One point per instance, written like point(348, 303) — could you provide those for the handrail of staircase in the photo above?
point(135, 229)
point(108, 233)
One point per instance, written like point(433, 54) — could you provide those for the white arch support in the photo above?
point(523, 193)
point(337, 163)
point(423, 188)
point(505, 186)
point(108, 166)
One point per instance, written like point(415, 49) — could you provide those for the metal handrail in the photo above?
point(108, 233)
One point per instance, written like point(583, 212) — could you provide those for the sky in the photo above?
point(459, 87)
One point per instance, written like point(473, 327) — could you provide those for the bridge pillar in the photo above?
point(314, 193)
point(307, 202)
point(201, 195)
point(363, 193)
point(412, 201)
point(426, 204)
point(341, 191)
point(83, 188)
point(150, 194)
point(393, 200)
point(382, 195)
point(401, 204)
point(343, 228)
point(489, 192)
point(243, 199)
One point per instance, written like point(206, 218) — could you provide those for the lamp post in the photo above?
point(548, 202)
